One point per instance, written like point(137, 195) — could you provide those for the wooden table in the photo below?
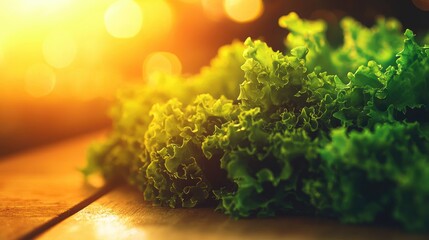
point(43, 195)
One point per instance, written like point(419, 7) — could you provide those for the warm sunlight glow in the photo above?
point(59, 49)
point(2, 48)
point(243, 10)
point(123, 19)
point(86, 84)
point(190, 1)
point(40, 80)
point(1, 55)
point(157, 19)
point(45, 6)
point(95, 180)
point(107, 224)
point(213, 9)
point(163, 62)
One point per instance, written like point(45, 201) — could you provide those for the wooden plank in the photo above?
point(121, 214)
point(41, 185)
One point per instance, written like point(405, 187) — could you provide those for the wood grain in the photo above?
point(38, 186)
point(121, 214)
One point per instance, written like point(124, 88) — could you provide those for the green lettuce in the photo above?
point(375, 175)
point(337, 131)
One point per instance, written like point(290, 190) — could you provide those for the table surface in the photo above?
point(44, 196)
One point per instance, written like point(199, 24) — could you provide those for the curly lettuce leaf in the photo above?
point(177, 173)
point(380, 43)
point(223, 76)
point(271, 79)
point(375, 175)
point(267, 167)
point(334, 131)
point(130, 112)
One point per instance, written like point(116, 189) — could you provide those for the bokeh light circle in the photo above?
point(40, 80)
point(243, 10)
point(161, 62)
point(123, 19)
point(59, 49)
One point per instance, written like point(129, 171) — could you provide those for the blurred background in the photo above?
point(61, 61)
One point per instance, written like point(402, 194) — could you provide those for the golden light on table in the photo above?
point(110, 225)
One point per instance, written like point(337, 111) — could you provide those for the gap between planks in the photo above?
point(43, 184)
point(63, 216)
point(123, 214)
